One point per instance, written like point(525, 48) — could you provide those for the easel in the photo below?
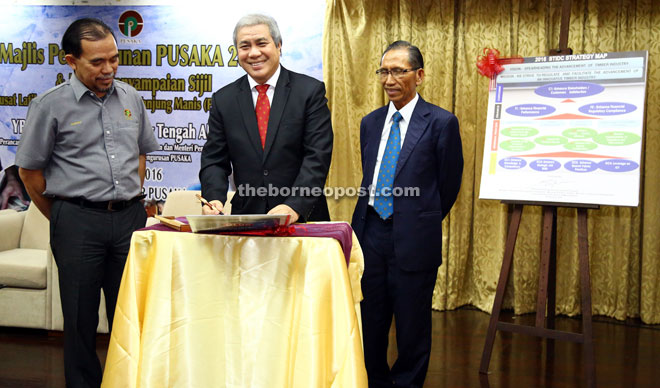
point(545, 325)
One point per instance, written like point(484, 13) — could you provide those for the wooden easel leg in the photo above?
point(514, 225)
point(552, 287)
point(549, 217)
point(585, 288)
point(552, 275)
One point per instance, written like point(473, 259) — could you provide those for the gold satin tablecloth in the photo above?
point(201, 310)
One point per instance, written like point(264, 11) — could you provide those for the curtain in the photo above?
point(624, 243)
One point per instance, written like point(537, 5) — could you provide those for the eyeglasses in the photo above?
point(396, 73)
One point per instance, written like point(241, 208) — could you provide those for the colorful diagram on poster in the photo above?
point(566, 129)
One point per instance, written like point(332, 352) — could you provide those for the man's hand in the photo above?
point(217, 208)
point(285, 209)
point(35, 184)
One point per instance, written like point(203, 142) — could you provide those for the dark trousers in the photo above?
point(90, 247)
point(387, 291)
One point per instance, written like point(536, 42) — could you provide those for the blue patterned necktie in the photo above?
point(383, 202)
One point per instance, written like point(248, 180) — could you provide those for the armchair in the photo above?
point(25, 270)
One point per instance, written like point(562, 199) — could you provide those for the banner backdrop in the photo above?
point(175, 56)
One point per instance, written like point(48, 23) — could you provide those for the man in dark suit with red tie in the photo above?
point(270, 127)
point(412, 145)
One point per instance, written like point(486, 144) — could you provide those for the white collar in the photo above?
point(406, 112)
point(271, 82)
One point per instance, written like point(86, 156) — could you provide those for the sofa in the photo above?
point(26, 266)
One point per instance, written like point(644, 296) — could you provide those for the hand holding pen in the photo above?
point(210, 208)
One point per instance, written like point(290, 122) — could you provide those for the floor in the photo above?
point(627, 355)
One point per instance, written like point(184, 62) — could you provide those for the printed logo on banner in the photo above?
point(130, 23)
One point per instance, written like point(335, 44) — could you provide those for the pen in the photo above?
point(207, 203)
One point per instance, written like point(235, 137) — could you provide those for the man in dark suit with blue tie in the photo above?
point(412, 162)
point(272, 129)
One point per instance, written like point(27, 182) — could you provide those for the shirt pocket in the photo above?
point(126, 135)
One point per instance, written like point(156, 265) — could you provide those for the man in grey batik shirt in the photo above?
point(82, 158)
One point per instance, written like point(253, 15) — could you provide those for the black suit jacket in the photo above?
point(431, 159)
point(296, 156)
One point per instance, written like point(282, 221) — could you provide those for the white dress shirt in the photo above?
point(271, 87)
point(406, 113)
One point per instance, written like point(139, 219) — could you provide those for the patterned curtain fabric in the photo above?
point(624, 243)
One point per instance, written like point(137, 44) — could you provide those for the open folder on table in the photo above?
point(236, 223)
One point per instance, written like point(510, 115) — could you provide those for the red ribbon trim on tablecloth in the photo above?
point(340, 231)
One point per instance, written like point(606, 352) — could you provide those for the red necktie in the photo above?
point(263, 111)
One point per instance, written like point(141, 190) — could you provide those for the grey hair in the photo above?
point(256, 19)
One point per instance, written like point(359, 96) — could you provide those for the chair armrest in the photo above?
point(11, 225)
point(50, 265)
point(56, 322)
point(151, 221)
point(227, 208)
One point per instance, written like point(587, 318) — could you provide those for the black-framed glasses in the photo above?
point(396, 73)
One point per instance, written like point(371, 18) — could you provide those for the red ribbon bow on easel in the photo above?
point(489, 64)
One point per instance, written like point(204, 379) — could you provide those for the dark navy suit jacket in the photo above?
point(431, 159)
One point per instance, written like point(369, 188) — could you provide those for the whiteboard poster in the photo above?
point(566, 129)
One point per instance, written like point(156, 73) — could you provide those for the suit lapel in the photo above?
point(373, 142)
point(282, 90)
point(246, 106)
point(418, 123)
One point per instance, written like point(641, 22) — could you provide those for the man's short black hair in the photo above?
point(414, 55)
point(86, 28)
